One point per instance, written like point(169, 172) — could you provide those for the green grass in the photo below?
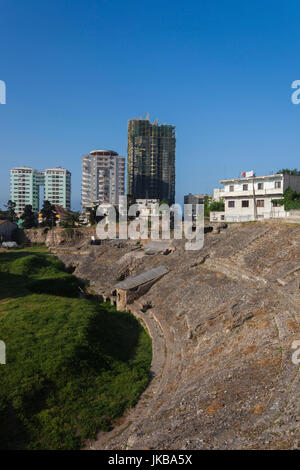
point(73, 365)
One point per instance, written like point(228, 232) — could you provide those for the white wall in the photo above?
point(217, 216)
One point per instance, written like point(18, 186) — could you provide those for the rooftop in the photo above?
point(23, 168)
point(56, 168)
point(103, 152)
point(147, 276)
point(250, 178)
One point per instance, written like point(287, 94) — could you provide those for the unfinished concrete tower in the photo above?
point(151, 160)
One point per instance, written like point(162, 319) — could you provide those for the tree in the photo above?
point(287, 171)
point(49, 214)
point(3, 215)
point(212, 206)
point(28, 217)
point(164, 201)
point(217, 206)
point(207, 203)
point(10, 206)
point(70, 219)
point(92, 215)
point(290, 200)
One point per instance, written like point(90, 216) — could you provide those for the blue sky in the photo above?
point(220, 71)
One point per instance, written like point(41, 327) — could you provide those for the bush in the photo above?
point(290, 200)
point(65, 285)
point(34, 264)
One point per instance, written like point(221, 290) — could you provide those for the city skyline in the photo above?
point(222, 74)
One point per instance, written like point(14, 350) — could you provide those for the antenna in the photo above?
point(147, 116)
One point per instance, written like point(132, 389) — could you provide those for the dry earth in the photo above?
point(222, 321)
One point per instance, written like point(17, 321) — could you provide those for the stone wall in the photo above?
point(59, 236)
point(35, 235)
point(125, 297)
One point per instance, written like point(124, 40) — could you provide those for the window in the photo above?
point(231, 188)
point(245, 187)
point(245, 203)
point(277, 184)
point(231, 203)
point(260, 186)
point(260, 203)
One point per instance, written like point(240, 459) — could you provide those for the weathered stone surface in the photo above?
point(222, 328)
point(59, 236)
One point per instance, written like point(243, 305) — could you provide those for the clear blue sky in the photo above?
point(221, 71)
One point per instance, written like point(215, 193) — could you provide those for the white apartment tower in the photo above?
point(103, 178)
point(25, 183)
point(58, 187)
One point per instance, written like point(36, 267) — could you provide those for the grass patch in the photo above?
point(73, 365)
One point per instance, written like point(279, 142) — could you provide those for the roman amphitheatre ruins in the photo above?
point(223, 322)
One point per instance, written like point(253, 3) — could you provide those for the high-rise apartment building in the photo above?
point(103, 178)
point(25, 183)
point(151, 160)
point(24, 187)
point(58, 186)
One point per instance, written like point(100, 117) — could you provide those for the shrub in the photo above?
point(31, 265)
point(290, 200)
point(65, 285)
